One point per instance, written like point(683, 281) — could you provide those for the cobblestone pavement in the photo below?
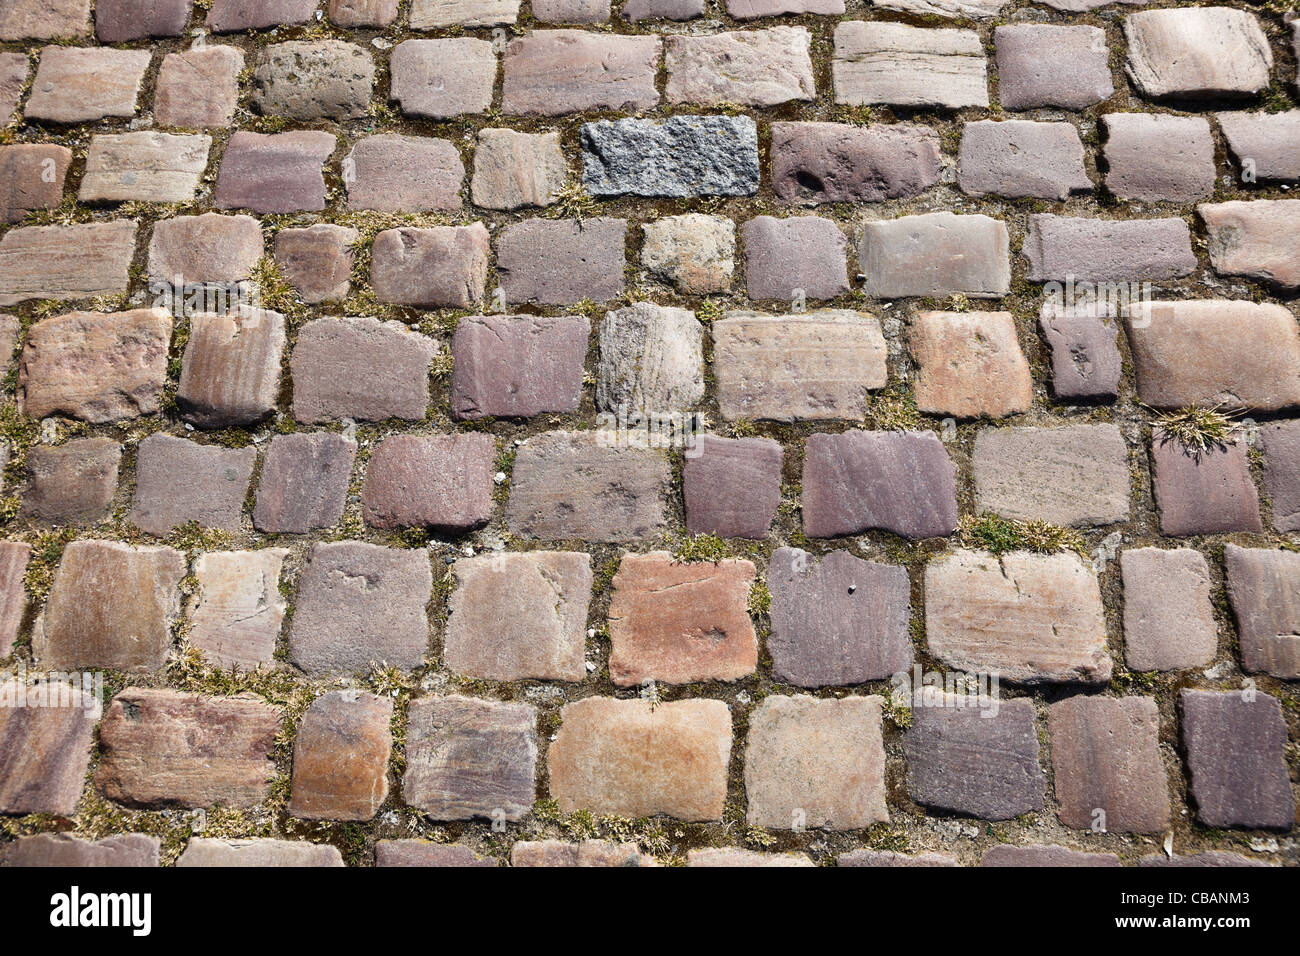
point(459, 432)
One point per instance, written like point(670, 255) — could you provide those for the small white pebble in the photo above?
point(499, 477)
point(591, 667)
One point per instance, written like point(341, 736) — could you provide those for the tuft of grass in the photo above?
point(710, 310)
point(958, 302)
point(1196, 429)
point(760, 598)
point(572, 201)
point(701, 547)
point(743, 428)
point(893, 409)
point(998, 535)
point(896, 712)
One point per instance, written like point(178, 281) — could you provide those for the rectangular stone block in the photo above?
point(441, 79)
point(391, 173)
point(816, 763)
point(1203, 492)
point(428, 14)
point(750, 68)
point(262, 852)
point(212, 248)
point(179, 481)
point(1197, 52)
point(969, 364)
point(1032, 618)
point(14, 556)
point(318, 260)
point(66, 262)
point(86, 84)
point(31, 178)
point(166, 748)
point(1168, 618)
point(899, 65)
point(45, 739)
point(144, 167)
point(1264, 586)
point(513, 170)
point(1267, 145)
point(44, 19)
point(437, 267)
point(441, 482)
point(232, 16)
point(1019, 158)
point(1156, 158)
point(340, 757)
point(71, 484)
point(468, 759)
point(518, 366)
point(807, 367)
point(311, 80)
point(651, 360)
point(230, 372)
point(304, 483)
point(680, 156)
point(198, 88)
point(65, 850)
point(1108, 250)
point(14, 69)
point(935, 254)
point(421, 853)
point(631, 758)
point(732, 487)
point(551, 72)
point(838, 162)
point(119, 20)
point(236, 609)
point(798, 258)
point(1259, 240)
point(561, 262)
point(274, 172)
point(1029, 56)
point(1086, 362)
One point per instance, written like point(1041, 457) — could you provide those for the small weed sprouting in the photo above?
point(998, 535)
point(1197, 429)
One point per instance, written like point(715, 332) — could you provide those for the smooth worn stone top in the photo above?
point(14, 556)
point(439, 79)
point(1038, 854)
point(304, 482)
point(70, 484)
point(796, 258)
point(935, 254)
point(1029, 58)
point(421, 853)
point(262, 852)
point(120, 20)
point(632, 758)
point(199, 87)
point(236, 611)
point(562, 262)
point(180, 481)
point(230, 373)
point(551, 72)
point(1213, 352)
point(274, 172)
point(856, 481)
point(732, 486)
point(1268, 142)
point(44, 19)
point(1019, 158)
point(46, 732)
point(32, 175)
point(340, 757)
point(513, 170)
point(969, 364)
point(80, 84)
point(809, 366)
point(1108, 250)
point(751, 68)
point(518, 366)
point(1033, 618)
point(1197, 51)
point(79, 261)
point(212, 247)
point(230, 16)
point(1260, 240)
point(900, 65)
point(1168, 618)
point(680, 156)
point(1264, 586)
point(427, 14)
point(65, 850)
point(390, 173)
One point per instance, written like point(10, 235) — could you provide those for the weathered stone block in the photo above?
point(72, 483)
point(550, 72)
point(969, 364)
point(837, 162)
point(45, 740)
point(443, 482)
point(651, 360)
point(340, 757)
point(179, 481)
point(304, 483)
point(230, 373)
point(561, 262)
point(144, 167)
point(66, 262)
point(274, 173)
point(899, 65)
point(437, 267)
point(392, 173)
point(1168, 618)
point(732, 487)
point(518, 366)
point(936, 254)
point(680, 156)
point(236, 610)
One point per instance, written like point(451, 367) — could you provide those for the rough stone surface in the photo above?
point(1236, 760)
point(693, 252)
point(733, 857)
point(680, 156)
point(1264, 586)
point(1197, 52)
point(1034, 618)
point(969, 364)
point(390, 173)
point(304, 483)
point(1108, 250)
point(751, 9)
point(1029, 58)
point(198, 88)
point(363, 13)
point(856, 481)
point(816, 763)
point(362, 369)
point(236, 610)
point(891, 858)
point(571, 11)
point(1168, 618)
point(1086, 363)
point(1268, 142)
point(468, 758)
point(71, 484)
point(66, 262)
point(179, 481)
point(786, 257)
point(552, 853)
point(65, 850)
point(974, 760)
point(1077, 475)
point(899, 65)
point(437, 267)
point(1280, 443)
point(85, 84)
point(44, 19)
point(520, 616)
point(14, 556)
point(317, 260)
point(14, 68)
point(1245, 355)
point(1019, 158)
point(637, 10)
point(144, 167)
point(561, 262)
point(631, 758)
point(680, 623)
point(427, 14)
point(808, 366)
point(421, 853)
point(230, 373)
point(167, 748)
point(732, 486)
point(111, 606)
point(31, 177)
point(274, 172)
point(96, 367)
point(44, 747)
point(1042, 855)
point(935, 254)
point(837, 162)
point(1203, 493)
point(309, 80)
point(188, 250)
point(751, 68)
point(551, 72)
point(442, 482)
point(231, 16)
point(576, 485)
point(518, 366)
point(1106, 757)
point(651, 359)
point(1260, 240)
point(1157, 158)
point(1216, 858)
point(360, 604)
point(263, 852)
point(513, 170)
point(340, 757)
point(837, 621)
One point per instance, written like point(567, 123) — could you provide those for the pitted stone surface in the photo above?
point(752, 68)
point(969, 364)
point(1086, 363)
point(809, 366)
point(835, 162)
point(651, 360)
point(838, 620)
point(518, 366)
point(1260, 240)
point(732, 486)
point(680, 156)
point(1034, 618)
point(694, 252)
point(902, 482)
point(44, 19)
point(313, 80)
